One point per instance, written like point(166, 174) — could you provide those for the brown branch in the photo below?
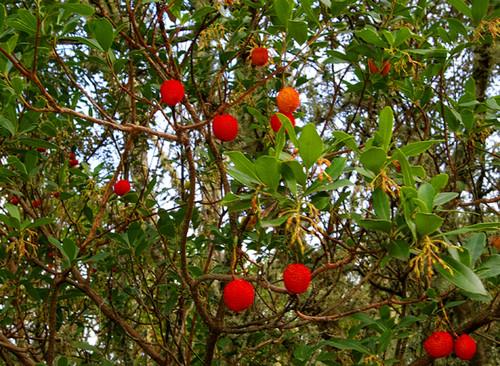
point(20, 353)
point(481, 200)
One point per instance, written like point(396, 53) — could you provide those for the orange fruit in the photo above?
point(288, 100)
point(260, 56)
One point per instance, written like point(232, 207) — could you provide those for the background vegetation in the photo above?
point(387, 189)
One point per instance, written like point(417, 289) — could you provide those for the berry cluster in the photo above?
point(239, 294)
point(440, 344)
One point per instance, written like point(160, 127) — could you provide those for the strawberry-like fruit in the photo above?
point(297, 278)
point(225, 127)
point(14, 200)
point(288, 100)
point(259, 56)
point(239, 295)
point(72, 155)
point(73, 162)
point(372, 67)
point(465, 347)
point(386, 67)
point(172, 92)
point(276, 123)
point(439, 344)
point(121, 187)
point(36, 203)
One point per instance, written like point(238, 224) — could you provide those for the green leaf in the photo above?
point(475, 245)
point(274, 222)
point(3, 15)
point(461, 6)
point(373, 159)
point(13, 211)
point(298, 171)
point(417, 148)
point(283, 10)
point(462, 276)
point(426, 193)
point(490, 267)
point(298, 30)
point(479, 8)
point(70, 249)
point(369, 35)
point(405, 168)
point(344, 138)
point(243, 165)
point(8, 125)
point(76, 8)
point(427, 223)
point(23, 21)
point(444, 197)
point(348, 344)
point(376, 224)
point(439, 181)
point(402, 35)
point(381, 204)
point(386, 124)
point(103, 31)
point(287, 125)
point(336, 168)
point(268, 170)
point(484, 226)
point(400, 250)
point(322, 186)
point(310, 145)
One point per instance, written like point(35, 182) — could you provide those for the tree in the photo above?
point(387, 188)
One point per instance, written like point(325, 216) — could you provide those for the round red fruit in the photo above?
point(225, 127)
point(56, 194)
point(14, 200)
point(439, 344)
point(239, 295)
point(288, 99)
point(386, 67)
point(73, 162)
point(465, 347)
point(172, 92)
point(121, 187)
point(372, 67)
point(36, 203)
point(41, 149)
point(72, 155)
point(297, 278)
point(260, 56)
point(276, 123)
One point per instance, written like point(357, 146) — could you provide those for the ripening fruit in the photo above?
point(439, 344)
point(14, 200)
point(276, 123)
point(259, 56)
point(386, 67)
point(297, 278)
point(56, 194)
point(225, 127)
point(72, 155)
point(465, 347)
point(121, 187)
point(239, 295)
point(495, 241)
point(172, 92)
point(73, 162)
point(288, 100)
point(36, 203)
point(41, 149)
point(372, 67)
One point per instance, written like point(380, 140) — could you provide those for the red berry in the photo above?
point(288, 99)
point(172, 92)
point(276, 123)
point(297, 278)
point(121, 187)
point(72, 155)
point(238, 295)
point(439, 344)
point(41, 149)
point(225, 127)
point(36, 203)
point(73, 162)
point(260, 56)
point(14, 200)
point(56, 194)
point(386, 67)
point(465, 347)
point(372, 67)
